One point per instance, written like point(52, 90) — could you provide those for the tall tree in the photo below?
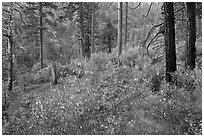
point(39, 17)
point(8, 8)
point(82, 29)
point(41, 34)
point(81, 14)
point(169, 40)
point(108, 34)
point(126, 16)
point(120, 15)
point(93, 26)
point(191, 35)
point(199, 19)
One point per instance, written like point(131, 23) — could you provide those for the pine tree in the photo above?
point(37, 16)
point(169, 40)
point(9, 9)
point(81, 14)
point(120, 11)
point(126, 19)
point(191, 36)
point(93, 28)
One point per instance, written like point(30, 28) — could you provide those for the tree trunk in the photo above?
point(120, 15)
point(191, 36)
point(92, 32)
point(41, 36)
point(169, 40)
point(88, 46)
point(199, 27)
point(126, 16)
point(109, 43)
point(82, 30)
point(54, 73)
point(10, 50)
point(183, 22)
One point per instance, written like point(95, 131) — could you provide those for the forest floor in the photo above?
point(24, 101)
point(108, 100)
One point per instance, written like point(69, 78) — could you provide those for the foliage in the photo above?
point(108, 35)
point(112, 100)
point(72, 12)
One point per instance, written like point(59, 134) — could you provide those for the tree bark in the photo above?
point(92, 32)
point(82, 30)
point(10, 49)
point(41, 35)
point(191, 36)
point(120, 15)
point(169, 40)
point(54, 73)
point(199, 27)
point(109, 43)
point(126, 16)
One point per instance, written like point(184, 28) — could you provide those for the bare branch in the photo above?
point(19, 4)
point(6, 35)
point(4, 18)
point(158, 46)
point(147, 48)
point(77, 40)
point(4, 29)
point(5, 10)
point(111, 21)
point(20, 15)
point(6, 5)
point(30, 37)
point(148, 10)
point(151, 30)
point(157, 59)
point(19, 36)
point(108, 6)
point(179, 10)
point(134, 7)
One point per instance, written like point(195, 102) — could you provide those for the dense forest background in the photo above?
point(101, 68)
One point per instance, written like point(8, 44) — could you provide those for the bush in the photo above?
point(129, 57)
point(43, 75)
point(37, 66)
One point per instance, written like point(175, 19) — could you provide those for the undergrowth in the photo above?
point(110, 99)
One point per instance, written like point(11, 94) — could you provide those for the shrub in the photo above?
point(43, 75)
point(128, 57)
point(37, 66)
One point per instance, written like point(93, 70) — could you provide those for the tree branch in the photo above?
point(6, 35)
point(18, 3)
point(5, 10)
point(147, 48)
point(4, 29)
point(30, 37)
point(77, 40)
point(148, 10)
point(158, 46)
point(6, 5)
point(151, 30)
point(20, 15)
point(179, 10)
point(108, 6)
point(111, 21)
point(134, 7)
